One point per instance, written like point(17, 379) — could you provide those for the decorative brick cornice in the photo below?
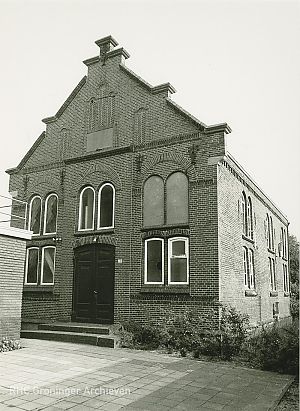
point(91, 60)
point(118, 52)
point(216, 128)
point(99, 154)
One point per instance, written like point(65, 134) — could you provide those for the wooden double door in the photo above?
point(93, 294)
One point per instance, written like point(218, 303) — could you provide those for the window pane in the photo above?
point(178, 248)
point(154, 201)
point(32, 265)
point(178, 270)
point(51, 215)
point(106, 206)
point(177, 198)
point(48, 265)
point(154, 261)
point(35, 215)
point(87, 209)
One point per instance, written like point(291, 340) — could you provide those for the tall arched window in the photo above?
point(35, 213)
point(86, 209)
point(249, 218)
point(177, 198)
point(244, 213)
point(271, 234)
point(154, 201)
point(50, 217)
point(106, 206)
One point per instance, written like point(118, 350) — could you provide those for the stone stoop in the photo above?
point(81, 333)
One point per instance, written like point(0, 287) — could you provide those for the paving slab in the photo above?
point(49, 375)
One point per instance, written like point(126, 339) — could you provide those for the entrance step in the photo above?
point(76, 328)
point(82, 333)
point(73, 337)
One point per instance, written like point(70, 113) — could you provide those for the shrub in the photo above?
point(274, 348)
point(9, 345)
point(143, 336)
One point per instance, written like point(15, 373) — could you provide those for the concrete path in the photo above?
point(61, 376)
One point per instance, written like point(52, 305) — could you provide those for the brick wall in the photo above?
point(12, 257)
point(259, 307)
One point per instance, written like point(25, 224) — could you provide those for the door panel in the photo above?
point(94, 283)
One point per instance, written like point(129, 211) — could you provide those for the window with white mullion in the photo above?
point(251, 268)
point(178, 260)
point(272, 274)
point(245, 266)
point(286, 285)
point(35, 215)
point(154, 261)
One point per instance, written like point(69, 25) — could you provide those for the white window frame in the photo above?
point(251, 269)
point(80, 209)
point(286, 282)
point(186, 242)
point(26, 266)
point(162, 257)
point(29, 216)
point(245, 266)
point(45, 213)
point(42, 264)
point(272, 269)
point(250, 228)
point(244, 214)
point(99, 206)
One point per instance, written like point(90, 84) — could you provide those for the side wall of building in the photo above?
point(12, 257)
point(258, 306)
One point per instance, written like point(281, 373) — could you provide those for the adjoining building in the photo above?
point(138, 211)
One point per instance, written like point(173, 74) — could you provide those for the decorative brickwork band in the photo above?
point(94, 239)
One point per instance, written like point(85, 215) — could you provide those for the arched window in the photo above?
point(50, 217)
point(271, 233)
point(35, 213)
point(86, 209)
point(177, 198)
point(244, 213)
point(249, 219)
point(106, 206)
point(154, 201)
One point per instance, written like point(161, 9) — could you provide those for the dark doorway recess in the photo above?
point(93, 295)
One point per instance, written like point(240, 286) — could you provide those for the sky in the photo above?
point(230, 61)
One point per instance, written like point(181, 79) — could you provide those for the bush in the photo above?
point(9, 345)
point(143, 336)
point(275, 349)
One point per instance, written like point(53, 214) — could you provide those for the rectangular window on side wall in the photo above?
point(286, 283)
point(178, 261)
point(154, 261)
point(273, 286)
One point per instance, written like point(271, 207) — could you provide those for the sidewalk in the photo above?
point(59, 376)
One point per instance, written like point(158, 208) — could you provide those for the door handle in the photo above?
point(95, 292)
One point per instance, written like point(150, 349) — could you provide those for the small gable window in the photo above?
point(154, 264)
point(50, 218)
point(86, 209)
point(106, 206)
point(154, 201)
point(31, 268)
point(35, 212)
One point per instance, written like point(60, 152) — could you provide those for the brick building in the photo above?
point(138, 211)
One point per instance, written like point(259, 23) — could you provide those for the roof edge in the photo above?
point(262, 193)
point(27, 155)
point(214, 128)
point(60, 111)
point(186, 113)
